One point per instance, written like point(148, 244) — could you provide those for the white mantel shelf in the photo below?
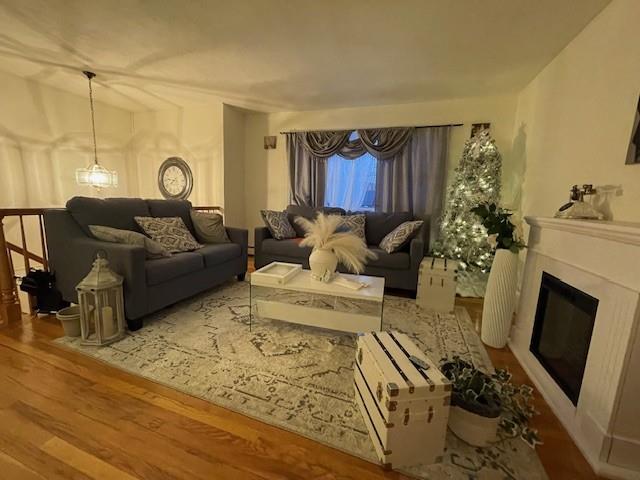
point(624, 232)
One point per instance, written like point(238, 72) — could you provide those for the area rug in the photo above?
point(300, 378)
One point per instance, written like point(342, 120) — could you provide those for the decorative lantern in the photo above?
point(101, 304)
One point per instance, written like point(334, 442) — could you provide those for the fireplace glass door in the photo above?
point(562, 332)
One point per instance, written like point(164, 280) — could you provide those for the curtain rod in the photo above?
point(346, 129)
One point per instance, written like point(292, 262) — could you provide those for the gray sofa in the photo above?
point(400, 269)
point(149, 285)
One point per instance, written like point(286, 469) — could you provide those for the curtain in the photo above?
point(413, 180)
point(307, 173)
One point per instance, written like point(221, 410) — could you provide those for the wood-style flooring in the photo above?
point(66, 416)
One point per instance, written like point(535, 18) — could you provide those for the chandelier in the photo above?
point(95, 175)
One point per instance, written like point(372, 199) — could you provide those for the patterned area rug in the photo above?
point(300, 378)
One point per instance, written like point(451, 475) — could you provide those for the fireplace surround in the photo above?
point(595, 264)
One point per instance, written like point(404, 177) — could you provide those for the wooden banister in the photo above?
point(9, 302)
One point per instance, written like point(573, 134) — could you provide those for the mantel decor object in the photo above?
point(95, 175)
point(577, 208)
point(101, 304)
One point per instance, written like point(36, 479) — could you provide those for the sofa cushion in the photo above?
point(379, 224)
point(170, 232)
point(215, 254)
point(400, 236)
point(278, 224)
point(172, 208)
point(309, 213)
point(395, 261)
point(287, 248)
point(109, 212)
point(354, 223)
point(164, 269)
point(209, 227)
point(152, 248)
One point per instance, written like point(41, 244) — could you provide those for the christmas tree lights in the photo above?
point(476, 181)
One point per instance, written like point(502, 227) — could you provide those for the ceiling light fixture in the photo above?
point(95, 175)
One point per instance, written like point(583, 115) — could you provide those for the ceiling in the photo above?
point(287, 55)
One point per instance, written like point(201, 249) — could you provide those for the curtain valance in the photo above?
point(382, 143)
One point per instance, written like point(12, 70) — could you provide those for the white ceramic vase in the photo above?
point(499, 299)
point(323, 264)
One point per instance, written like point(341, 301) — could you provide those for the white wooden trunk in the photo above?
point(437, 283)
point(405, 408)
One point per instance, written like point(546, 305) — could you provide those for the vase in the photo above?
point(499, 299)
point(323, 263)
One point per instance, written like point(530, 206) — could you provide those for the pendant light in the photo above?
point(95, 175)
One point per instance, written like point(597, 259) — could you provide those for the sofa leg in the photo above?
point(134, 325)
point(241, 277)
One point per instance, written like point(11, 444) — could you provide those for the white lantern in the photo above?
point(101, 305)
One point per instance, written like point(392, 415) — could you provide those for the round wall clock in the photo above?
point(175, 179)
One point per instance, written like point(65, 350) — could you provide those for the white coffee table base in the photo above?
point(305, 301)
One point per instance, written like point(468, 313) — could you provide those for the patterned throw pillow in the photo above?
point(355, 224)
point(278, 224)
point(170, 232)
point(128, 237)
point(399, 237)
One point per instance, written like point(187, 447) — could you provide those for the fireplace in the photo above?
point(562, 331)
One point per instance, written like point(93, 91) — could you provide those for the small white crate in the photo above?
point(276, 273)
point(437, 281)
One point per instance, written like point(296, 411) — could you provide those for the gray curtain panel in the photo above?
point(307, 172)
point(413, 179)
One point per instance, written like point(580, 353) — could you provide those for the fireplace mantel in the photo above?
point(623, 232)
point(601, 259)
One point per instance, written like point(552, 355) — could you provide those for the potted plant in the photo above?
point(482, 403)
point(500, 296)
point(331, 246)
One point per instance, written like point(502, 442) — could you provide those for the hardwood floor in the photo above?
point(66, 416)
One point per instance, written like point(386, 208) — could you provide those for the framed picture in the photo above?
point(633, 154)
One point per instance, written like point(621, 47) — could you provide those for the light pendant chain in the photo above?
point(93, 123)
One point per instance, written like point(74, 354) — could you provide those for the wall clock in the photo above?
point(175, 179)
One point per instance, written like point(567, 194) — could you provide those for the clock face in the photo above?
point(175, 179)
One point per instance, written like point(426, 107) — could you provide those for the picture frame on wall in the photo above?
point(633, 153)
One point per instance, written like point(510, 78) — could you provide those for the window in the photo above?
point(351, 184)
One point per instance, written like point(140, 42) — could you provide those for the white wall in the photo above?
point(267, 175)
point(574, 119)
point(45, 135)
point(234, 165)
point(193, 133)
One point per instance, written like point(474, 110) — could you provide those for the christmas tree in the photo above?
point(476, 181)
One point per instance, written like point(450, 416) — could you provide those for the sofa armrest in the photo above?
point(240, 236)
point(260, 234)
point(416, 252)
point(72, 252)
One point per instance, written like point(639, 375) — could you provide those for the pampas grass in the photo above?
point(349, 249)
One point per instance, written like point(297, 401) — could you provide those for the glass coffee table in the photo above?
point(305, 301)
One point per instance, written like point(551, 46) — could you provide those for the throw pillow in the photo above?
point(355, 224)
point(115, 235)
point(170, 232)
point(399, 237)
point(278, 224)
point(209, 227)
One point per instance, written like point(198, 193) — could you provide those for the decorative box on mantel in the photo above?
point(437, 281)
point(576, 334)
